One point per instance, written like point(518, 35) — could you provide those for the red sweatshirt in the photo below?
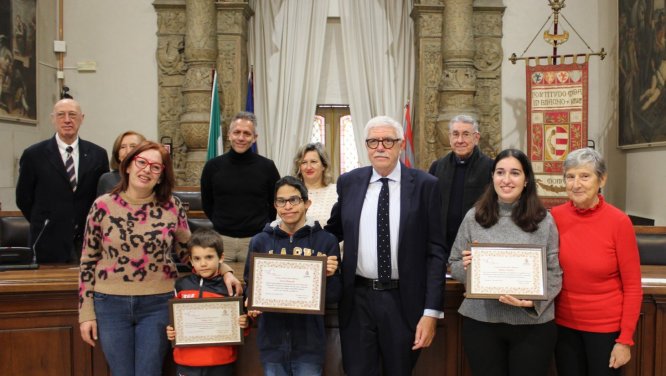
point(194, 287)
point(601, 284)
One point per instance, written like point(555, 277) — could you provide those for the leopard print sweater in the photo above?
point(127, 248)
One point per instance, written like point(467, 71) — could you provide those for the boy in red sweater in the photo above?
point(206, 254)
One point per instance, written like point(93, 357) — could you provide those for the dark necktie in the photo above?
point(69, 166)
point(383, 234)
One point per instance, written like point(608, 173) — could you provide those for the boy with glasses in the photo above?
point(294, 344)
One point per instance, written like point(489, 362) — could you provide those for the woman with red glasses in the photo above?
point(127, 271)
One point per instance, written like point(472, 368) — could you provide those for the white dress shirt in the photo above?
point(366, 265)
point(62, 148)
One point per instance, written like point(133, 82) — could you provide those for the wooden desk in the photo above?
point(39, 331)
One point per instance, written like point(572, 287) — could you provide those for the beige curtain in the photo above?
point(287, 43)
point(378, 40)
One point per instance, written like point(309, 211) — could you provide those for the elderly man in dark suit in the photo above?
point(463, 174)
point(57, 185)
point(393, 268)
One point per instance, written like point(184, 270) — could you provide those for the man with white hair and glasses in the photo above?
point(394, 262)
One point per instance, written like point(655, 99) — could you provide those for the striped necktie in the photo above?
point(69, 166)
point(383, 234)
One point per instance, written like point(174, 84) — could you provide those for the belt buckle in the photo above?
point(378, 285)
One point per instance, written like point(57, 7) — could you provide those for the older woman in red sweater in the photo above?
point(598, 307)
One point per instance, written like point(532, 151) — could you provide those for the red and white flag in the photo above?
point(407, 155)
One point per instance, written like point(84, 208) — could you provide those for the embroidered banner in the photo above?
point(556, 123)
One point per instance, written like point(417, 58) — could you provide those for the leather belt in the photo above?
point(376, 284)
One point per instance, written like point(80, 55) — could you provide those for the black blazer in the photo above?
point(421, 255)
point(43, 192)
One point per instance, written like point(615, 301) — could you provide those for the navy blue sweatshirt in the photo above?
point(292, 337)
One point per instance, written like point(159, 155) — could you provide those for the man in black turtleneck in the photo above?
point(463, 174)
point(237, 189)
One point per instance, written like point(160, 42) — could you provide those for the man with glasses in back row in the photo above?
point(394, 262)
point(463, 174)
point(57, 184)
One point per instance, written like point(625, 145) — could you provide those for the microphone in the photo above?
point(34, 264)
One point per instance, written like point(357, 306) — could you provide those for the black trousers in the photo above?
point(497, 349)
point(580, 353)
point(223, 370)
point(377, 337)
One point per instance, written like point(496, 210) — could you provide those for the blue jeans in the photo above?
point(132, 331)
point(292, 369)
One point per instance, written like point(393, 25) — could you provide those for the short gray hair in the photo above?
point(384, 121)
point(586, 156)
point(464, 119)
point(243, 115)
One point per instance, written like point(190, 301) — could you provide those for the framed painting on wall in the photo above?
point(642, 71)
point(18, 73)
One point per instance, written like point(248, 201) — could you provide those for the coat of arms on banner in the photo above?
point(557, 123)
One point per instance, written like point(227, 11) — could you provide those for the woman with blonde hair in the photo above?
point(312, 165)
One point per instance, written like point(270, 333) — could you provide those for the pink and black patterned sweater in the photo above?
point(127, 248)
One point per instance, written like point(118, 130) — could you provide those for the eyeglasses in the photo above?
point(465, 135)
point(373, 143)
point(62, 114)
point(293, 201)
point(154, 167)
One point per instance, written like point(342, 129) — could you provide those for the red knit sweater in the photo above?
point(601, 284)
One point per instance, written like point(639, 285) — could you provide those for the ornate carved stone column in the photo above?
point(428, 18)
point(458, 80)
point(190, 34)
point(488, 63)
point(170, 75)
point(200, 56)
point(232, 66)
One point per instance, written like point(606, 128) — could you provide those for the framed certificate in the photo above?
point(507, 269)
point(210, 321)
point(287, 283)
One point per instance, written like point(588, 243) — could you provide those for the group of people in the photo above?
point(399, 227)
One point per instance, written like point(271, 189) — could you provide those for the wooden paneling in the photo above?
point(39, 331)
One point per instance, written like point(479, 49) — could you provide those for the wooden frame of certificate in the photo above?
point(518, 270)
point(287, 283)
point(209, 321)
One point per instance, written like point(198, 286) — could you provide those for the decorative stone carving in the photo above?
point(463, 78)
point(488, 61)
point(486, 22)
point(489, 54)
point(170, 22)
point(428, 16)
point(468, 60)
point(194, 36)
point(458, 69)
point(170, 104)
point(170, 59)
point(431, 25)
